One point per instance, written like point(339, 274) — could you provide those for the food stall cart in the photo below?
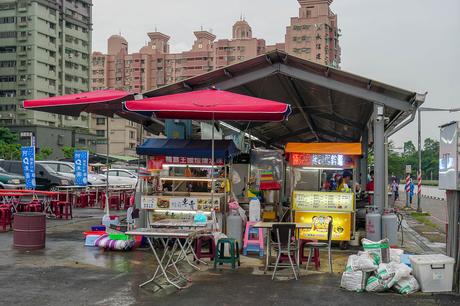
point(182, 174)
point(316, 172)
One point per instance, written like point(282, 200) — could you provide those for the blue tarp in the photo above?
point(187, 148)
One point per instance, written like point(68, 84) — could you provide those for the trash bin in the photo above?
point(29, 231)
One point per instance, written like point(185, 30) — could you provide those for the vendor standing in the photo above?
point(344, 185)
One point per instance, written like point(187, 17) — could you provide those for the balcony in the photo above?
point(22, 24)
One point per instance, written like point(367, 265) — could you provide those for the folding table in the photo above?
point(172, 255)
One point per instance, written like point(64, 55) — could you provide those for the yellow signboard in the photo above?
point(341, 230)
point(323, 201)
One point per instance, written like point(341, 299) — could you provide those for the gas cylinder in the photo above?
point(235, 226)
point(390, 228)
point(374, 226)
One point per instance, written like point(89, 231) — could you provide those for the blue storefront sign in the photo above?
point(81, 167)
point(28, 166)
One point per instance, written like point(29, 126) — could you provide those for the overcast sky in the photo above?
point(412, 44)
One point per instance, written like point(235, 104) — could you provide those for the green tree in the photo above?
point(9, 146)
point(430, 159)
point(10, 151)
point(7, 137)
point(44, 153)
point(68, 151)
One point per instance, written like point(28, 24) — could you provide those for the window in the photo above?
point(123, 174)
point(8, 34)
point(6, 20)
point(7, 93)
point(7, 78)
point(82, 141)
point(308, 14)
point(7, 64)
point(100, 121)
point(66, 168)
point(100, 133)
point(53, 166)
point(132, 135)
point(8, 49)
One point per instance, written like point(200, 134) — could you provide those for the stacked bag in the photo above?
point(377, 269)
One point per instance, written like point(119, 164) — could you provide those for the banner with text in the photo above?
point(28, 166)
point(81, 167)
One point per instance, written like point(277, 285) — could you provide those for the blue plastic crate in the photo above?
point(98, 228)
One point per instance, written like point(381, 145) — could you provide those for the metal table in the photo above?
point(268, 226)
point(172, 255)
point(179, 223)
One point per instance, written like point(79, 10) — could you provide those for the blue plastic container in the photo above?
point(98, 228)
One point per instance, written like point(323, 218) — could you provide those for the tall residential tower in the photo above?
point(45, 48)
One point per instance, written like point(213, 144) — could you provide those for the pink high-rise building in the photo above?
point(313, 35)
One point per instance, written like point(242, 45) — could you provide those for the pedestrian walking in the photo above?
point(395, 189)
point(411, 193)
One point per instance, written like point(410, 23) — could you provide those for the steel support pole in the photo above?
point(385, 195)
point(379, 157)
point(363, 161)
point(453, 217)
point(107, 209)
point(419, 194)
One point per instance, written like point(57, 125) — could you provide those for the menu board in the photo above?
point(180, 203)
point(341, 225)
point(323, 201)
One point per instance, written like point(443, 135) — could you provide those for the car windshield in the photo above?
point(49, 169)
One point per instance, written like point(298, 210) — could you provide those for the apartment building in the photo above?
point(312, 35)
point(45, 49)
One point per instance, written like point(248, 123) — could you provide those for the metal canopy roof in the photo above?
point(328, 104)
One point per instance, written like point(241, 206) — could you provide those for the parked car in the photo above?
point(67, 169)
point(45, 177)
point(10, 180)
point(121, 177)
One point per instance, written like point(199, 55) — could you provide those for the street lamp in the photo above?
point(426, 109)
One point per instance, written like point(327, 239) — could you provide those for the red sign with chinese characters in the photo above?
point(155, 163)
point(178, 160)
point(322, 160)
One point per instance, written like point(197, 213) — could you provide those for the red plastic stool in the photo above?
point(33, 207)
point(62, 209)
point(114, 202)
point(82, 200)
point(5, 217)
point(302, 256)
point(200, 242)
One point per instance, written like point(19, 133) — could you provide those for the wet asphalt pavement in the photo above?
point(68, 273)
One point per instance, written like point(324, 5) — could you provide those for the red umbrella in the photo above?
point(101, 102)
point(211, 104)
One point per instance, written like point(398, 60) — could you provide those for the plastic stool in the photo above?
point(302, 256)
point(234, 257)
point(62, 209)
point(251, 244)
point(200, 242)
point(33, 207)
point(5, 217)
